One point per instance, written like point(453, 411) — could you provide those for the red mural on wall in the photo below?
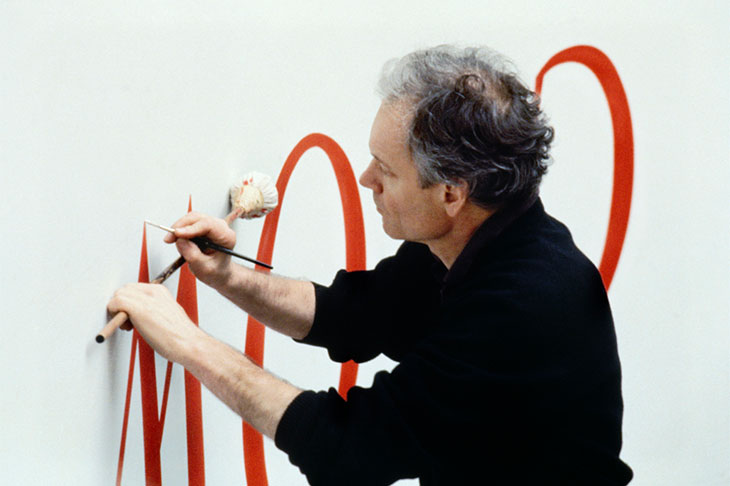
point(152, 424)
point(254, 461)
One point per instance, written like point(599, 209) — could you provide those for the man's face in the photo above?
point(409, 212)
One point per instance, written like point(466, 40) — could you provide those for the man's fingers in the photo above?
point(126, 297)
point(200, 227)
point(207, 265)
point(195, 224)
point(214, 229)
point(118, 303)
point(187, 220)
point(189, 250)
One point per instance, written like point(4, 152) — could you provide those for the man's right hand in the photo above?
point(212, 268)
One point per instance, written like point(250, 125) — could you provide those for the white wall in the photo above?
point(114, 112)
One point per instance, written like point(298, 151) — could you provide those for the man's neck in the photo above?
point(449, 246)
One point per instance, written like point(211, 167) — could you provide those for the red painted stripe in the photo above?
point(253, 450)
point(623, 147)
point(150, 421)
point(165, 396)
point(127, 401)
point(148, 383)
point(187, 296)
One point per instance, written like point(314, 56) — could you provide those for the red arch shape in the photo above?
point(253, 446)
point(623, 147)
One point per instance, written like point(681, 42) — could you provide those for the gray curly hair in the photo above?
point(473, 122)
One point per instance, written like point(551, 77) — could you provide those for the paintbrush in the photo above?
point(205, 244)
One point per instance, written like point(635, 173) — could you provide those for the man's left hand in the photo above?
point(160, 320)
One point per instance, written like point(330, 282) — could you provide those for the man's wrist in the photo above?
point(234, 280)
point(224, 278)
point(194, 349)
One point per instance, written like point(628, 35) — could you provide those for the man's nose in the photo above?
point(367, 178)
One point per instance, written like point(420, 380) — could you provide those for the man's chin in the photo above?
point(390, 231)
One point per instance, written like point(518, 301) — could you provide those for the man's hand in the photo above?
point(158, 317)
point(212, 268)
point(284, 305)
point(257, 396)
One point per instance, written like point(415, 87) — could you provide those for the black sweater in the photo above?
point(508, 371)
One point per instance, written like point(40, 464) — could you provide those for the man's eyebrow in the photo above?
point(380, 161)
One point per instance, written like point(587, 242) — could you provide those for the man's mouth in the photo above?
point(377, 206)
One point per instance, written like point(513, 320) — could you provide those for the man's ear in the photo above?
point(455, 197)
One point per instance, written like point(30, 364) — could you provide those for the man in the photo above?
point(507, 370)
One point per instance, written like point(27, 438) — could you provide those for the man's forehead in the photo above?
point(400, 111)
point(391, 123)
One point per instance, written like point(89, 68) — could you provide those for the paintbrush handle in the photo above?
point(121, 317)
point(114, 324)
point(205, 243)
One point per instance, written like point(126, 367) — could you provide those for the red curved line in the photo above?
point(623, 147)
point(253, 448)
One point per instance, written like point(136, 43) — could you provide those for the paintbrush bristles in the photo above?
point(166, 228)
point(253, 197)
point(248, 200)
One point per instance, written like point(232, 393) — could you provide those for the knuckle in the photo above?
point(149, 288)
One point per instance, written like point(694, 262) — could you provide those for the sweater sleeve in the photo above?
point(365, 313)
